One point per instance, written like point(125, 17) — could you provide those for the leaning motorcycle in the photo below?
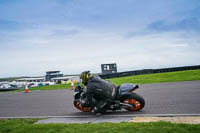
point(125, 99)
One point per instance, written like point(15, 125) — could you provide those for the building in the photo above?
point(53, 74)
point(109, 68)
point(36, 79)
point(65, 78)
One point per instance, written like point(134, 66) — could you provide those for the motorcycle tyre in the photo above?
point(133, 98)
point(84, 109)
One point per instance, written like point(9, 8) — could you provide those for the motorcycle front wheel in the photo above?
point(133, 99)
point(81, 108)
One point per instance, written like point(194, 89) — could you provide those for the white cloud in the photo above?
point(35, 51)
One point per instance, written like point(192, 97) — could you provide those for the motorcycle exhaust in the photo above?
point(126, 106)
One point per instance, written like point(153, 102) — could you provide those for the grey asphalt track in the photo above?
point(161, 98)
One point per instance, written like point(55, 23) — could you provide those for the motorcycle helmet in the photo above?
point(85, 76)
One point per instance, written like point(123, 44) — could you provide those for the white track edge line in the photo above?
point(93, 116)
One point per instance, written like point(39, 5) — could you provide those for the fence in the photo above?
point(148, 71)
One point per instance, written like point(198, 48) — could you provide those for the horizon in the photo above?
point(77, 35)
point(96, 73)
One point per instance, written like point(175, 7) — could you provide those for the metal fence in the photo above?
point(148, 71)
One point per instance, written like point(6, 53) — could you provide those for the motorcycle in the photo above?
point(125, 99)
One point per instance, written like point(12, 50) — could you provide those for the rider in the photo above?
point(101, 90)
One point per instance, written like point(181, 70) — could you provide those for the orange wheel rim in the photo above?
point(133, 101)
point(84, 109)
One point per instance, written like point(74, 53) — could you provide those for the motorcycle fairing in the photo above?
point(126, 87)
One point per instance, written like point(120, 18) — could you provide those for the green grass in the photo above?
point(159, 77)
point(48, 87)
point(139, 79)
point(52, 87)
point(27, 126)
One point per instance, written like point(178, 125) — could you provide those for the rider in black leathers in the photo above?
point(101, 90)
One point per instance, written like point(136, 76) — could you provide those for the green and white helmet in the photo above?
point(85, 76)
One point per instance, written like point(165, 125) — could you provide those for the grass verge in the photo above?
point(52, 87)
point(48, 87)
point(159, 77)
point(139, 79)
point(26, 125)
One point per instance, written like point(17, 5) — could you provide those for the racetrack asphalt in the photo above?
point(182, 98)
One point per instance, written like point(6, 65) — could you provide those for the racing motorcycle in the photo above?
point(125, 99)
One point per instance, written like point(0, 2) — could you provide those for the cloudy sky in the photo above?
point(76, 35)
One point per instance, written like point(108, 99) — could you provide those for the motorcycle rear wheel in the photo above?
point(134, 99)
point(81, 108)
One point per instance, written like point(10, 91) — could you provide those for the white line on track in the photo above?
point(91, 116)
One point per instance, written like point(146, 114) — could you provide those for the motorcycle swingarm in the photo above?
point(124, 105)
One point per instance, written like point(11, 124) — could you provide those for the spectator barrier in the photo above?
point(148, 71)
